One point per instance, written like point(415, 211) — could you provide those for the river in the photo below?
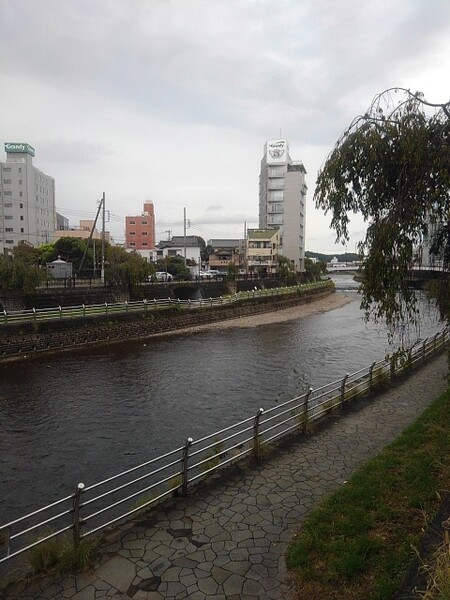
point(87, 415)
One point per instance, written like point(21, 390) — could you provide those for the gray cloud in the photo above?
point(174, 100)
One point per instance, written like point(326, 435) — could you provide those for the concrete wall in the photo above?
point(25, 340)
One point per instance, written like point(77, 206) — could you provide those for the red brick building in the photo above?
point(140, 230)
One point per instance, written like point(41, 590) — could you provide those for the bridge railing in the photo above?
point(106, 308)
point(96, 507)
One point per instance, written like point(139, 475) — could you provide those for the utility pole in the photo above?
point(184, 242)
point(102, 273)
point(94, 259)
point(245, 248)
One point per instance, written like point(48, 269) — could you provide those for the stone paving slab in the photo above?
point(229, 540)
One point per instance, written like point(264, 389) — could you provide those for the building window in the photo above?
point(20, 182)
point(143, 222)
point(132, 222)
point(7, 204)
point(9, 241)
point(132, 243)
point(7, 193)
point(21, 205)
point(275, 207)
point(275, 196)
point(8, 217)
point(144, 243)
point(20, 193)
point(144, 233)
point(21, 230)
point(21, 217)
point(275, 220)
point(132, 233)
point(20, 169)
point(7, 181)
point(277, 171)
point(6, 169)
point(9, 229)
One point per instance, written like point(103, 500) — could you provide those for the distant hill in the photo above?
point(345, 257)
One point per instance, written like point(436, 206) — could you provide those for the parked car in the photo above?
point(212, 274)
point(163, 276)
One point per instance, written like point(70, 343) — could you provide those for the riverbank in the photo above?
point(318, 306)
point(229, 539)
point(25, 340)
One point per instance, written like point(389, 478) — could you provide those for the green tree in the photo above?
point(232, 271)
point(125, 268)
point(20, 272)
point(286, 269)
point(72, 250)
point(392, 165)
point(314, 270)
point(46, 253)
point(174, 265)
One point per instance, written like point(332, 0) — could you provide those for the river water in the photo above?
point(87, 415)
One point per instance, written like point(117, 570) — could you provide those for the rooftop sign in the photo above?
point(19, 147)
point(277, 151)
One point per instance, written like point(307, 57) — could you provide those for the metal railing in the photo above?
point(142, 306)
point(93, 508)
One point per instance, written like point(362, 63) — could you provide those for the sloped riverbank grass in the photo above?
point(359, 542)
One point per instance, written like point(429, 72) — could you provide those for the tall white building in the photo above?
point(27, 199)
point(282, 199)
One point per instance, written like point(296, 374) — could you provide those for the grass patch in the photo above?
point(58, 555)
point(359, 542)
point(438, 573)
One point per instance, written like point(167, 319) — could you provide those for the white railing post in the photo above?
point(76, 515)
point(344, 381)
point(185, 464)
point(305, 409)
point(371, 375)
point(392, 366)
point(5, 540)
point(256, 444)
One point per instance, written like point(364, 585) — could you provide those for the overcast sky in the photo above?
point(173, 100)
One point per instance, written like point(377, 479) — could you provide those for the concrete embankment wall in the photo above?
point(20, 341)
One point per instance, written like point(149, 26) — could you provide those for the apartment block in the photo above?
point(140, 229)
point(27, 199)
point(282, 199)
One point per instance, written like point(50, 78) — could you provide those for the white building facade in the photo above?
point(282, 199)
point(27, 199)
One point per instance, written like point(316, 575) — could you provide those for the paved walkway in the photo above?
point(229, 540)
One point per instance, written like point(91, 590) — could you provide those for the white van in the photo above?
point(163, 276)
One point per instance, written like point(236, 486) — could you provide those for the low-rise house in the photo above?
point(225, 252)
point(263, 246)
point(188, 248)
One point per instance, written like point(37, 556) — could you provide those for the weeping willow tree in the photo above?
point(392, 165)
